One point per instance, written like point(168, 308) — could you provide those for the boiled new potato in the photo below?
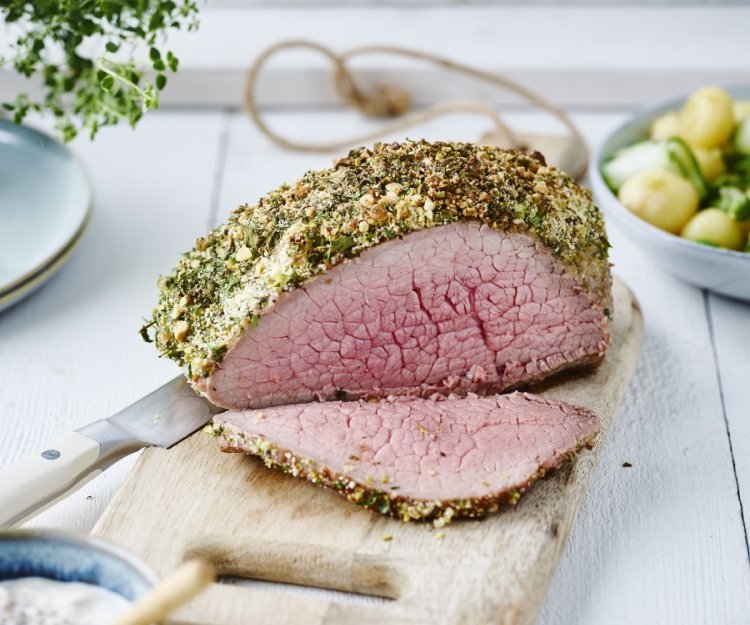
point(707, 119)
point(660, 197)
point(741, 141)
point(741, 110)
point(715, 227)
point(710, 161)
point(666, 126)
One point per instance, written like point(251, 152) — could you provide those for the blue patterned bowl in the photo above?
point(73, 558)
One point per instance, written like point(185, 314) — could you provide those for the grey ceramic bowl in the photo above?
point(73, 558)
point(722, 271)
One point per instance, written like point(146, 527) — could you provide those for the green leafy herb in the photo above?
point(342, 244)
point(67, 44)
point(144, 331)
point(735, 202)
point(384, 507)
point(682, 156)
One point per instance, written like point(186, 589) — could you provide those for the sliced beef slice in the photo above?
point(416, 458)
point(453, 309)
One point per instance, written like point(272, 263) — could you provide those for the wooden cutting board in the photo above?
point(256, 523)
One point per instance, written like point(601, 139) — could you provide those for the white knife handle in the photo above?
point(38, 481)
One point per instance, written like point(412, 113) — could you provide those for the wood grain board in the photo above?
point(256, 523)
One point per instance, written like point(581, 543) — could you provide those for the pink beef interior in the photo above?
point(457, 308)
point(420, 449)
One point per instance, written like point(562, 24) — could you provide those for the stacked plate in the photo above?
point(45, 205)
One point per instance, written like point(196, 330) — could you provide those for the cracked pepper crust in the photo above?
point(233, 275)
point(440, 512)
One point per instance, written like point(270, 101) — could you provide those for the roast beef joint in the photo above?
point(400, 290)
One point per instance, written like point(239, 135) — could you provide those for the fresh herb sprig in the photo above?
point(81, 50)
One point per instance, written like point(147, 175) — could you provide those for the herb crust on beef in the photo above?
point(299, 231)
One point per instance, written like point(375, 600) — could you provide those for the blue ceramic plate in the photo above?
point(45, 204)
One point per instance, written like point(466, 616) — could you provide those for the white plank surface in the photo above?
point(462, 3)
point(623, 37)
point(660, 542)
point(730, 326)
point(574, 55)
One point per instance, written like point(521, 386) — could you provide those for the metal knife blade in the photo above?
point(163, 417)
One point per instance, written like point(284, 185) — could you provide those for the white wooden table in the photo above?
point(661, 542)
point(664, 541)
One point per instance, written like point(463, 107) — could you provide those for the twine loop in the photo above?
point(392, 102)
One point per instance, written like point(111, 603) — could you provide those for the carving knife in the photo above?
point(162, 418)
